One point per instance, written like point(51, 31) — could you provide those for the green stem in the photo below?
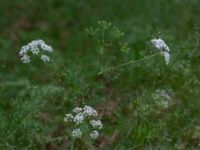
point(124, 64)
point(103, 46)
point(73, 144)
point(57, 139)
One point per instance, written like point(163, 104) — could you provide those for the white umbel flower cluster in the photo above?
point(163, 47)
point(96, 124)
point(35, 47)
point(77, 110)
point(78, 119)
point(68, 118)
point(45, 58)
point(94, 134)
point(89, 112)
point(76, 133)
point(163, 97)
point(84, 115)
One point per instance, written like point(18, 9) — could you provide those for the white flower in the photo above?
point(25, 59)
point(35, 50)
point(76, 133)
point(40, 42)
point(68, 117)
point(89, 112)
point(79, 118)
point(46, 48)
point(165, 94)
point(34, 47)
point(167, 57)
point(94, 134)
point(163, 97)
point(23, 50)
point(77, 110)
point(45, 58)
point(160, 44)
point(96, 124)
point(163, 47)
point(84, 117)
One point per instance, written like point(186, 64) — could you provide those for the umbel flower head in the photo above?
point(163, 47)
point(35, 47)
point(77, 133)
point(163, 97)
point(84, 116)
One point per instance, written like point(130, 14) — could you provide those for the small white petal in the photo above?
point(25, 59)
point(47, 48)
point(76, 133)
point(89, 112)
point(68, 117)
point(45, 58)
point(163, 47)
point(77, 110)
point(94, 134)
point(96, 124)
point(78, 119)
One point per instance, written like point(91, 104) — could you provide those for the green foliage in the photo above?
point(109, 42)
point(35, 97)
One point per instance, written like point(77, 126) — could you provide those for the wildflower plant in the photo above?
point(82, 117)
point(108, 39)
point(85, 119)
point(84, 122)
point(121, 72)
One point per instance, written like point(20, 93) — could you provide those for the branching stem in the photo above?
point(125, 64)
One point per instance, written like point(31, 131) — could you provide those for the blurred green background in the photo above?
point(62, 23)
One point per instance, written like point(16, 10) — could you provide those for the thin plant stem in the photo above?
point(56, 139)
point(73, 144)
point(103, 46)
point(103, 37)
point(125, 64)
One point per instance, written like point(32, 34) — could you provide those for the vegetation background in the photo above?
point(35, 97)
